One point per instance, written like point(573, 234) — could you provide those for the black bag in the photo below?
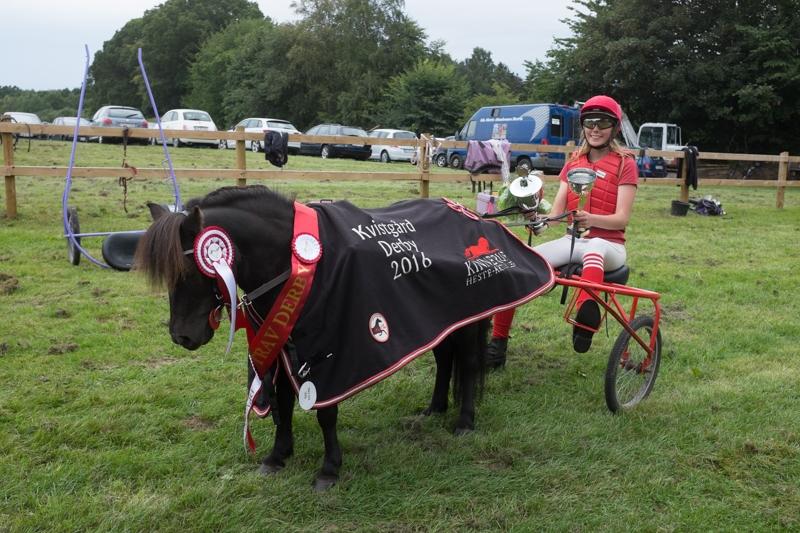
point(707, 206)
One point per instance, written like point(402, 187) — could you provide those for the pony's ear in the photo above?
point(193, 223)
point(157, 210)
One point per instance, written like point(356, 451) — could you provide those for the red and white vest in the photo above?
point(612, 171)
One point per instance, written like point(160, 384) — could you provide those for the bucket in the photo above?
point(679, 209)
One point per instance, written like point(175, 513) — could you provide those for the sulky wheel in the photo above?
point(628, 379)
point(73, 253)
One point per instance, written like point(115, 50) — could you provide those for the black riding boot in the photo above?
point(496, 352)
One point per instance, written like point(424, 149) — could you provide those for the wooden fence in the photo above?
point(241, 174)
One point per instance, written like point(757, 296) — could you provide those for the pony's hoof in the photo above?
point(269, 469)
point(324, 482)
point(459, 431)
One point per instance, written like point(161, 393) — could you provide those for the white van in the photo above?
point(387, 152)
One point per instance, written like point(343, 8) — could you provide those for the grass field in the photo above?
point(106, 425)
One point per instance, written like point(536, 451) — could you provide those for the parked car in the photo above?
point(326, 150)
point(116, 116)
point(189, 120)
point(68, 121)
point(24, 118)
point(262, 125)
point(386, 151)
point(439, 156)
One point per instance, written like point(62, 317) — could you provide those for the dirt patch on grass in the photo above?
point(197, 423)
point(60, 349)
point(158, 362)
point(8, 283)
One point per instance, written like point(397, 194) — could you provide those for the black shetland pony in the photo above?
point(260, 224)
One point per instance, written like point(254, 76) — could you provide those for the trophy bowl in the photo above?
point(581, 180)
point(526, 190)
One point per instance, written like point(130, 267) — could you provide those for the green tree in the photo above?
point(500, 95)
point(170, 36)
point(429, 98)
point(727, 72)
point(344, 52)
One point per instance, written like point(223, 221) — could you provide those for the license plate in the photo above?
point(659, 167)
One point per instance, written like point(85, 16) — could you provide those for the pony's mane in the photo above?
point(159, 255)
point(232, 195)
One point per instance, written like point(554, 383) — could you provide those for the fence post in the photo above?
point(683, 184)
point(783, 175)
point(424, 166)
point(11, 185)
point(241, 157)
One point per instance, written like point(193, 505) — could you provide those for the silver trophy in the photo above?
point(525, 189)
point(581, 181)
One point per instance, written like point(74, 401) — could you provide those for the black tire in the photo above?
point(524, 162)
point(73, 253)
point(625, 390)
point(456, 161)
point(385, 157)
point(440, 160)
point(324, 152)
point(176, 143)
point(222, 144)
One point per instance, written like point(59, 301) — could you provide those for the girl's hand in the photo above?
point(583, 219)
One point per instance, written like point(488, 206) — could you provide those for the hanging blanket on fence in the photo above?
point(490, 157)
point(393, 282)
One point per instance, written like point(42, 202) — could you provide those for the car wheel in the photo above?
point(385, 157)
point(456, 161)
point(324, 152)
point(441, 160)
point(176, 143)
point(255, 146)
point(524, 162)
point(100, 140)
point(223, 144)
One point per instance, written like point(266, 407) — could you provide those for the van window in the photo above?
point(471, 125)
point(672, 135)
point(651, 137)
point(495, 112)
point(556, 126)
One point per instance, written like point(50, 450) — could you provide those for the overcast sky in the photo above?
point(47, 36)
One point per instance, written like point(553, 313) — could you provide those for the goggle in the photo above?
point(602, 123)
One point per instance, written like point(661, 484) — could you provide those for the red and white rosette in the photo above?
point(307, 248)
point(213, 253)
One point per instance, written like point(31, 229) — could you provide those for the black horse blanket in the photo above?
point(394, 282)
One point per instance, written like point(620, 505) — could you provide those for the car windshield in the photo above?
point(121, 112)
point(196, 115)
point(274, 124)
point(358, 132)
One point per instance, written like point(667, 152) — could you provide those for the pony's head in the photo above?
point(161, 256)
point(258, 220)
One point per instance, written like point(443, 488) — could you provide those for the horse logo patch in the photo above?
point(378, 327)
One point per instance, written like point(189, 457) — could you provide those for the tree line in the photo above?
point(727, 72)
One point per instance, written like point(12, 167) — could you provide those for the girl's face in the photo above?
point(598, 130)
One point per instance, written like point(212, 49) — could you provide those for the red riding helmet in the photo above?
point(602, 104)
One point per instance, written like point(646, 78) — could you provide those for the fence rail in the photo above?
point(241, 174)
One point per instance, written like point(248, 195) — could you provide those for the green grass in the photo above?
point(106, 425)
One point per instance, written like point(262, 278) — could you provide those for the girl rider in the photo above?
point(606, 212)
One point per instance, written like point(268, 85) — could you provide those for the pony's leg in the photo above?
point(329, 474)
point(470, 344)
point(283, 446)
point(444, 370)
